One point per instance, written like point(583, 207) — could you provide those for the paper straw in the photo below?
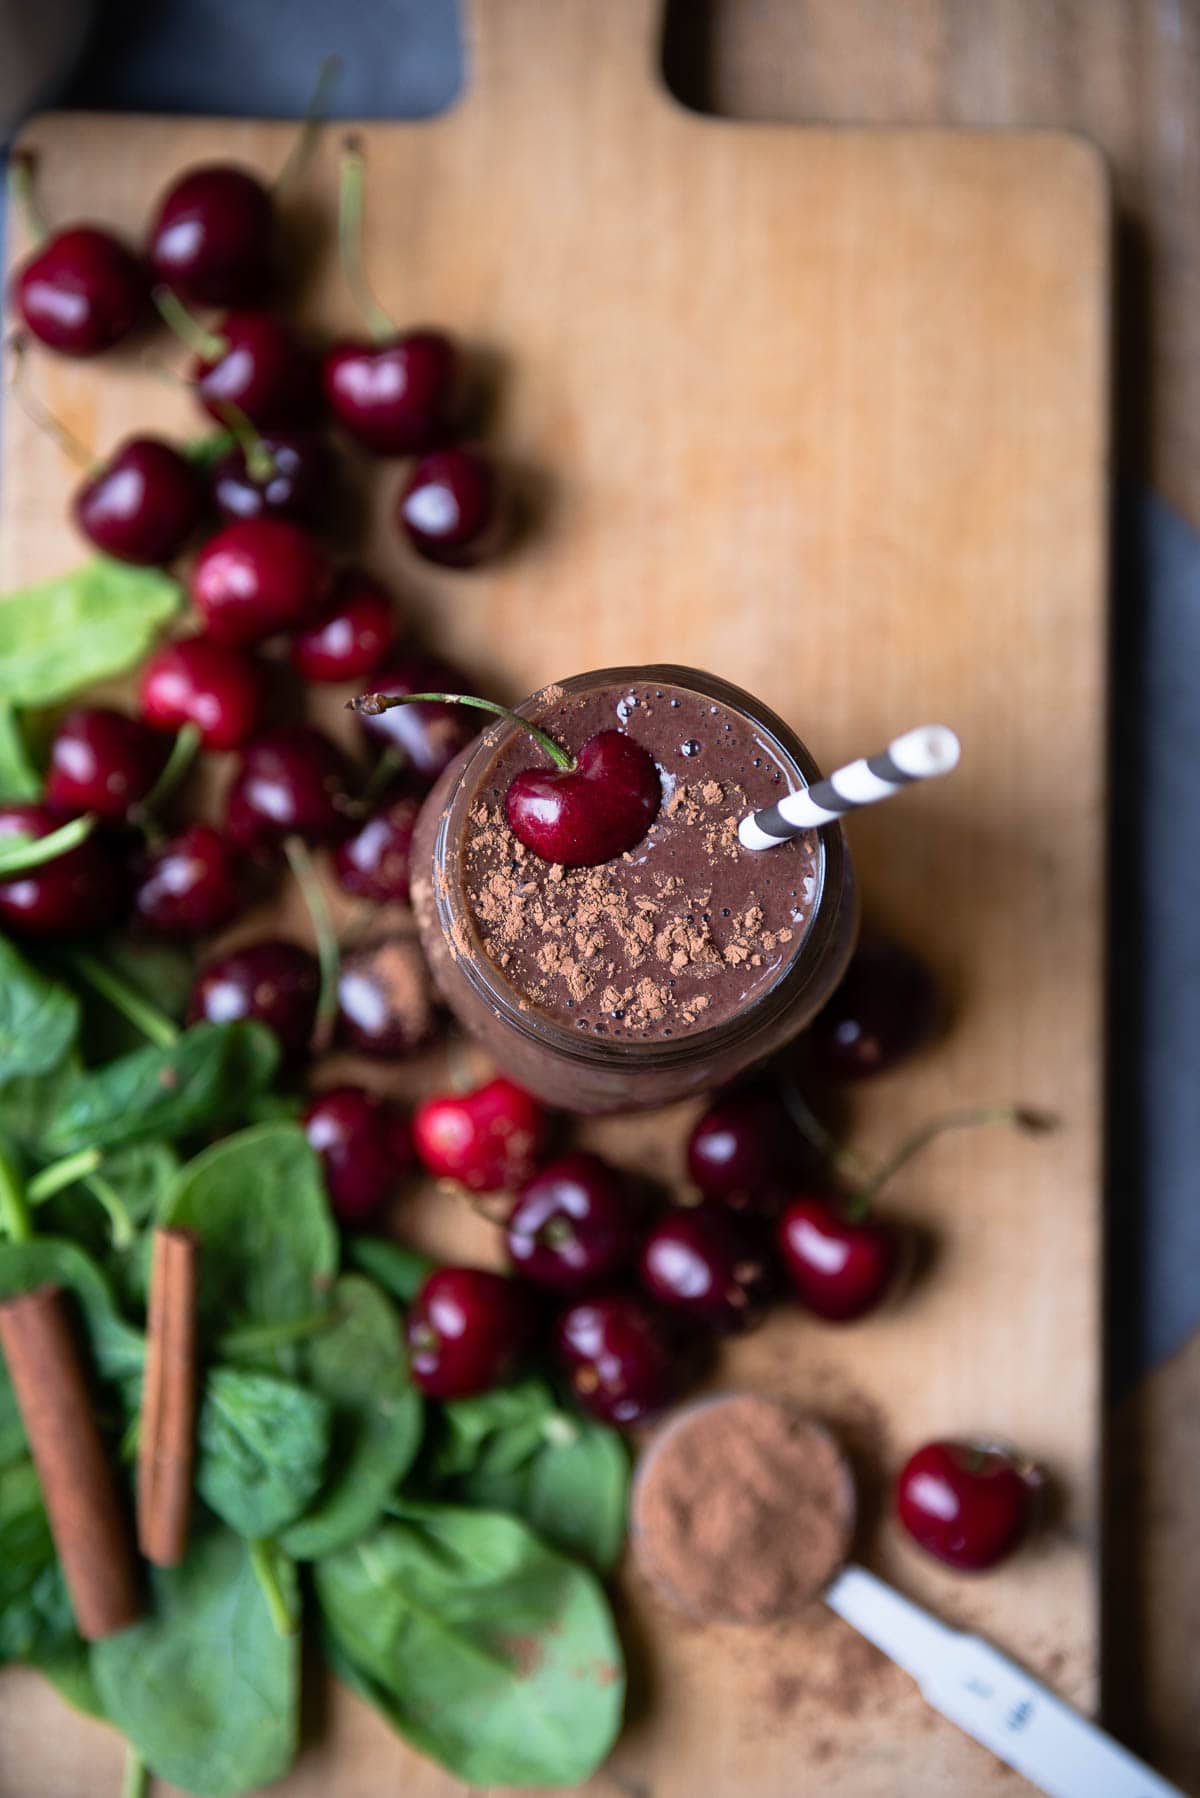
point(918, 755)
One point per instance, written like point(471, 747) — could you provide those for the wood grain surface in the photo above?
point(825, 411)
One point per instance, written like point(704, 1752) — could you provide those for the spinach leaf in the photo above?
point(359, 1364)
point(29, 1103)
point(39, 1019)
point(262, 1445)
point(270, 1246)
point(160, 973)
point(19, 779)
point(69, 1671)
point(205, 1687)
point(573, 1490)
point(487, 1650)
point(36, 1619)
point(204, 1079)
point(107, 1214)
point(65, 633)
point(392, 1265)
point(497, 1430)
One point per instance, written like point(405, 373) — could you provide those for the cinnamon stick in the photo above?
point(82, 1503)
point(167, 1447)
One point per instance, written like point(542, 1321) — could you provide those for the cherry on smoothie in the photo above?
point(385, 1000)
point(256, 362)
point(840, 1267)
point(353, 1133)
point(81, 291)
point(574, 1224)
point(352, 634)
point(257, 577)
point(102, 761)
point(969, 1505)
point(212, 236)
point(197, 681)
point(142, 505)
point(286, 475)
point(271, 982)
point(886, 1006)
point(588, 813)
point(427, 735)
point(78, 893)
point(706, 1265)
point(374, 861)
point(745, 1149)
point(489, 1140)
point(187, 886)
point(452, 508)
point(467, 1331)
point(396, 396)
point(292, 781)
point(622, 1359)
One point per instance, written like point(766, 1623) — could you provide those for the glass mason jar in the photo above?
point(595, 1074)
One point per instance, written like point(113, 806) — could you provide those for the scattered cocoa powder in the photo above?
point(743, 1510)
point(386, 996)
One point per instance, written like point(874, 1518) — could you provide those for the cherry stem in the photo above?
point(208, 345)
point(1021, 1116)
point(20, 853)
point(370, 705)
point(14, 1211)
point(850, 1166)
point(314, 117)
point(154, 1024)
point(329, 955)
point(40, 416)
point(388, 768)
point(350, 242)
point(183, 753)
point(21, 167)
point(260, 461)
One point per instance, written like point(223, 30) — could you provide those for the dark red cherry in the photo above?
point(428, 735)
point(212, 237)
point(196, 681)
point(258, 577)
point(969, 1505)
point(353, 1132)
point(573, 1225)
point(293, 481)
point(467, 1331)
point(745, 1150)
point(263, 369)
point(271, 982)
point(621, 1357)
point(187, 886)
point(352, 634)
point(293, 781)
point(142, 505)
point(885, 1007)
point(102, 761)
point(396, 397)
point(373, 863)
point(79, 893)
point(706, 1265)
point(451, 508)
point(489, 1140)
point(840, 1268)
point(591, 813)
point(385, 1001)
point(81, 292)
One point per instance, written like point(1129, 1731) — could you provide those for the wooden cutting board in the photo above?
point(825, 411)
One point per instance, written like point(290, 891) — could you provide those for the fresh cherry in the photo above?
point(592, 812)
point(840, 1267)
point(352, 1131)
point(704, 1265)
point(451, 507)
point(397, 396)
point(187, 886)
point(288, 476)
point(196, 681)
point(79, 893)
point(467, 1331)
point(270, 982)
point(102, 761)
point(352, 634)
point(257, 577)
point(489, 1140)
point(256, 362)
point(885, 1007)
point(385, 1001)
point(745, 1149)
point(573, 1225)
point(81, 292)
point(212, 236)
point(427, 735)
point(293, 781)
point(142, 505)
point(622, 1359)
point(968, 1505)
point(373, 863)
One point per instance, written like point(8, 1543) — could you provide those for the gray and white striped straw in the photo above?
point(917, 755)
